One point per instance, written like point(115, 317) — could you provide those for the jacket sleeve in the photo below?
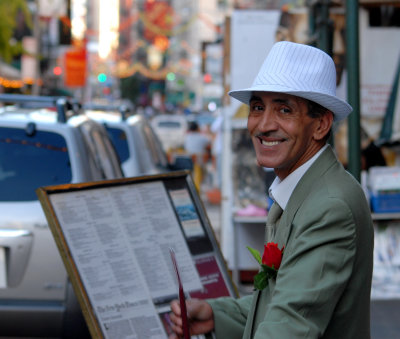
point(316, 266)
point(230, 316)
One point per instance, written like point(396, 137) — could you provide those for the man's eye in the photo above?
point(285, 110)
point(256, 107)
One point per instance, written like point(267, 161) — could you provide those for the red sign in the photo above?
point(75, 68)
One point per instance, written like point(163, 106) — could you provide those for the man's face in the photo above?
point(283, 135)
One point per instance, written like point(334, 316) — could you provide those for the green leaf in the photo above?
point(261, 280)
point(269, 271)
point(256, 254)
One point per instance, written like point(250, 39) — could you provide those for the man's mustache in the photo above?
point(268, 135)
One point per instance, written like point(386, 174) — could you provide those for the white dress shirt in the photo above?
point(281, 190)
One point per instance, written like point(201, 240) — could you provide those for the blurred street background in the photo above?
point(172, 62)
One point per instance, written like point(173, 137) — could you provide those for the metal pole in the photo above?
point(37, 35)
point(324, 41)
point(353, 87)
point(321, 27)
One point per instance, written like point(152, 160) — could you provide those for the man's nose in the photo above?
point(268, 120)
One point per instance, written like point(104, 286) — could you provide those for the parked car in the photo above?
point(139, 148)
point(43, 146)
point(171, 129)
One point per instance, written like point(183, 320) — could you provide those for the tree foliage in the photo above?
point(9, 10)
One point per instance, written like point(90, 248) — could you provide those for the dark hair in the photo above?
point(372, 156)
point(315, 110)
point(193, 126)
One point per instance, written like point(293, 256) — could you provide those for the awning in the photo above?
point(9, 72)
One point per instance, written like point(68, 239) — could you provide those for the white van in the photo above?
point(41, 147)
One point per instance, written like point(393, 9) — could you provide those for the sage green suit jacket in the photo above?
point(323, 286)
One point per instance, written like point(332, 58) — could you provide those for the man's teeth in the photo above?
point(269, 143)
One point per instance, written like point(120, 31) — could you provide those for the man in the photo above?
point(322, 287)
point(197, 146)
point(196, 142)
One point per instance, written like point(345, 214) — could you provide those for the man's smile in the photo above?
point(270, 143)
point(270, 140)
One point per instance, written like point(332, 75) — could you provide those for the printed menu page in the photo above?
point(119, 238)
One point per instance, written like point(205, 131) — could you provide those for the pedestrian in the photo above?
point(196, 142)
point(323, 239)
point(217, 146)
point(197, 146)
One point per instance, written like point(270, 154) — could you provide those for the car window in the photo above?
point(99, 145)
point(29, 161)
point(119, 139)
point(107, 155)
point(157, 153)
point(169, 124)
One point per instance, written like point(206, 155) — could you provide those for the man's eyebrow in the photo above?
point(277, 100)
point(282, 101)
point(254, 98)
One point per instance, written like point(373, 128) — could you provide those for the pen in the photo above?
point(182, 299)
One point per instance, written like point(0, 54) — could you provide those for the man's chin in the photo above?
point(267, 163)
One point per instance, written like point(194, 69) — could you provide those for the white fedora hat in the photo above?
point(299, 70)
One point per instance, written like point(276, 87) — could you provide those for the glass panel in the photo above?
point(169, 124)
point(106, 155)
point(28, 162)
point(157, 153)
point(120, 142)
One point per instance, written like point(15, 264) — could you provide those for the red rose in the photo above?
point(272, 255)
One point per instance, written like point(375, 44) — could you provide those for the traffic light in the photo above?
point(102, 77)
point(57, 70)
point(207, 78)
point(171, 76)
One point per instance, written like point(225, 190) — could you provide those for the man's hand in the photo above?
point(200, 316)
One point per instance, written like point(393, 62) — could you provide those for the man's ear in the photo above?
point(325, 123)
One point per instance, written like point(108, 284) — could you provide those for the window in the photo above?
point(120, 142)
point(31, 161)
point(384, 16)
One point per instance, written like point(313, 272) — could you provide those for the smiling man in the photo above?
point(284, 135)
point(322, 219)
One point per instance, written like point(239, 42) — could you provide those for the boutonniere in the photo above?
point(270, 263)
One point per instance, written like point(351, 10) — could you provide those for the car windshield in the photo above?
point(118, 137)
point(169, 124)
point(29, 161)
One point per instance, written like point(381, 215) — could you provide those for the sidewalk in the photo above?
point(385, 322)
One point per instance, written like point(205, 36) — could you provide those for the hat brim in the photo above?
point(338, 107)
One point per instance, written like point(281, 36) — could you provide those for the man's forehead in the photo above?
point(275, 96)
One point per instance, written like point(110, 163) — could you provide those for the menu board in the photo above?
point(115, 236)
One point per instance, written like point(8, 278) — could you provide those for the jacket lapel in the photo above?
point(284, 227)
point(249, 329)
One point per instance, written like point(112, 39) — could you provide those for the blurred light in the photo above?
point(207, 78)
point(154, 58)
point(57, 70)
point(102, 77)
point(171, 76)
point(78, 18)
point(212, 106)
point(108, 27)
point(161, 42)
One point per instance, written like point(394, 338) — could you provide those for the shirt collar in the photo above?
point(280, 191)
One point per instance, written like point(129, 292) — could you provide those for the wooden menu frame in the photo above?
point(77, 212)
